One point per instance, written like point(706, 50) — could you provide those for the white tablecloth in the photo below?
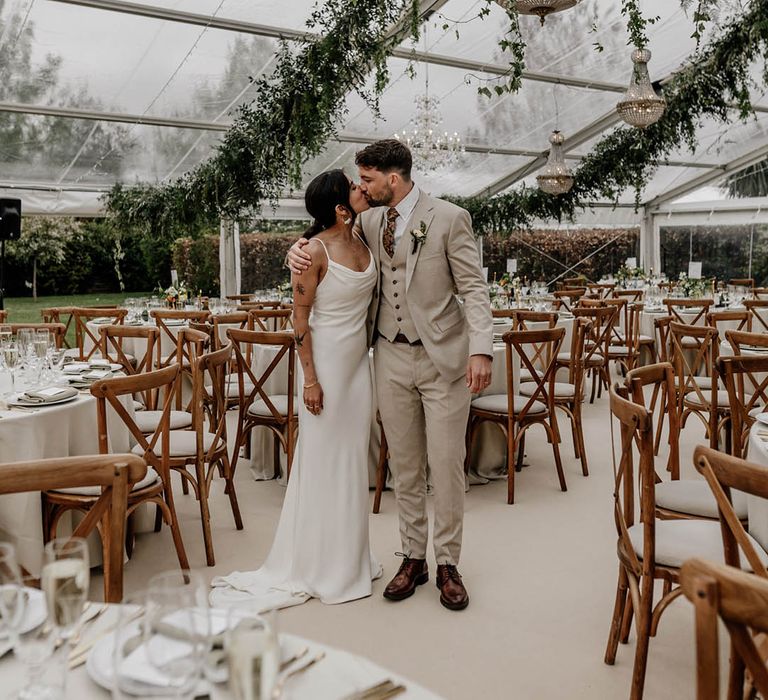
point(339, 673)
point(66, 430)
point(757, 508)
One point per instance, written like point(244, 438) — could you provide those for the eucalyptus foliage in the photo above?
point(715, 81)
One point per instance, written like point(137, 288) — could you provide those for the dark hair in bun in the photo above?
point(327, 191)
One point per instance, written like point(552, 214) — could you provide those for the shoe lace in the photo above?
point(407, 561)
point(452, 573)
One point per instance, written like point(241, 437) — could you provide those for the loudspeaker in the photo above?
point(10, 219)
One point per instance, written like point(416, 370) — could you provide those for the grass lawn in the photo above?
point(27, 309)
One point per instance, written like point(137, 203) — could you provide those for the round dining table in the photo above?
point(338, 674)
point(39, 432)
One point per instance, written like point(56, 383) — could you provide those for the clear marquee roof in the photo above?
point(120, 62)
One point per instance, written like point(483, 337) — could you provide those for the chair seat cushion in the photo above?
point(693, 398)
point(678, 540)
point(497, 403)
point(694, 497)
point(595, 358)
point(149, 479)
point(280, 401)
point(232, 388)
point(147, 420)
point(563, 390)
point(183, 443)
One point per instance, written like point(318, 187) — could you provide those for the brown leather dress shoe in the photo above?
point(453, 595)
point(412, 573)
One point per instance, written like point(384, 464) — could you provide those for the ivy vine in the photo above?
point(715, 82)
point(295, 114)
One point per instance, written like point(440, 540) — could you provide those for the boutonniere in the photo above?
point(418, 235)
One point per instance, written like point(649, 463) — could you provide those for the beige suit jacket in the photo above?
point(447, 262)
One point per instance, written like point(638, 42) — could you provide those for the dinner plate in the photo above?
point(40, 404)
point(100, 662)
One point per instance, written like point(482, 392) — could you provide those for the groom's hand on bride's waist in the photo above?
point(298, 260)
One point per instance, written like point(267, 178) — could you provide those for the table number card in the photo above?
point(511, 266)
point(485, 273)
point(630, 262)
point(174, 277)
point(694, 270)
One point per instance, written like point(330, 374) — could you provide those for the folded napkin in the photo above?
point(102, 319)
point(48, 395)
point(75, 367)
point(96, 374)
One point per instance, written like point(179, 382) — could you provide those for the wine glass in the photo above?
point(6, 335)
point(177, 629)
point(65, 580)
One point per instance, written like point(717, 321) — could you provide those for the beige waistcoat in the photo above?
point(394, 314)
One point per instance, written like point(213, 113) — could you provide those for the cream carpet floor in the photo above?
point(541, 576)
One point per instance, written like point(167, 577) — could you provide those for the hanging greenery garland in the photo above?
point(295, 114)
point(714, 83)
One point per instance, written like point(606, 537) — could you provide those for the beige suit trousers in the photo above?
point(425, 419)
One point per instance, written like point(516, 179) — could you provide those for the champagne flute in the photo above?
point(65, 580)
point(11, 360)
point(6, 335)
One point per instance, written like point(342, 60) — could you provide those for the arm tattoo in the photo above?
point(299, 338)
point(300, 289)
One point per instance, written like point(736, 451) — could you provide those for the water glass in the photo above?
point(65, 581)
point(11, 360)
point(6, 335)
point(252, 653)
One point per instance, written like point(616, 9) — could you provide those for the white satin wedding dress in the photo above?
point(321, 548)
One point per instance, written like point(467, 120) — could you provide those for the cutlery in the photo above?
point(392, 692)
point(79, 655)
point(373, 691)
point(86, 621)
point(293, 659)
point(277, 691)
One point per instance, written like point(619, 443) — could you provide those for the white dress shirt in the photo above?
point(404, 211)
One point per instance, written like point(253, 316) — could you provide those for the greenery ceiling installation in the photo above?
point(715, 82)
point(300, 103)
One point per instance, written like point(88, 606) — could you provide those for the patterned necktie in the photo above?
point(389, 232)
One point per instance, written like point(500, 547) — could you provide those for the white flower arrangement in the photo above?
point(418, 236)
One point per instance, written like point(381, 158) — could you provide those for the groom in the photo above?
point(430, 354)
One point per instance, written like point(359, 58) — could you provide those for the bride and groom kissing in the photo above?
point(379, 267)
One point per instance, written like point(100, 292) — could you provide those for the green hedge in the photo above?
point(261, 257)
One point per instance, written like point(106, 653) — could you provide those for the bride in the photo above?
point(321, 547)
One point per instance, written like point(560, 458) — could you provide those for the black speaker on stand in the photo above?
point(10, 229)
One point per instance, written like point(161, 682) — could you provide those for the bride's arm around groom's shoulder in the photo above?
point(464, 260)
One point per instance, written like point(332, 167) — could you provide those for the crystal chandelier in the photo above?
point(641, 105)
point(556, 178)
point(540, 8)
point(432, 148)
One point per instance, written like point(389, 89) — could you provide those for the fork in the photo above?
point(277, 691)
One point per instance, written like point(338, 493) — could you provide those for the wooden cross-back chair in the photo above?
point(270, 320)
point(240, 297)
point(629, 294)
point(743, 342)
point(514, 413)
point(695, 351)
point(88, 341)
point(565, 299)
point(742, 282)
point(220, 324)
point(740, 600)
point(746, 381)
point(63, 314)
point(113, 338)
point(167, 320)
point(760, 292)
point(725, 320)
point(156, 488)
point(58, 330)
point(257, 406)
point(758, 315)
point(568, 396)
point(602, 320)
point(648, 549)
point(676, 309)
point(110, 476)
point(604, 291)
point(663, 354)
point(523, 320)
point(200, 453)
point(3, 316)
point(676, 498)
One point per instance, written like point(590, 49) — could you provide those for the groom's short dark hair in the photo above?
point(386, 155)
